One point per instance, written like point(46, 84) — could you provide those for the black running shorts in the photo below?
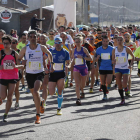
point(31, 78)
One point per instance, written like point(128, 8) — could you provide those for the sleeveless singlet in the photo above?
point(121, 59)
point(8, 73)
point(79, 63)
point(34, 59)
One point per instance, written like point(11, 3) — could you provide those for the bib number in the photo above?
point(35, 65)
point(105, 56)
point(8, 65)
point(79, 61)
point(120, 60)
point(58, 66)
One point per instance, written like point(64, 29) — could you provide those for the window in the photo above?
point(3, 1)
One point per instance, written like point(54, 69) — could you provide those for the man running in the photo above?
point(34, 68)
point(104, 58)
point(61, 59)
point(132, 45)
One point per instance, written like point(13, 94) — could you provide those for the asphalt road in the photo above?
point(94, 120)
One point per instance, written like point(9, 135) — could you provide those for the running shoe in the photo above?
point(104, 98)
point(122, 102)
point(91, 90)
point(109, 87)
point(37, 119)
point(78, 102)
point(16, 106)
point(116, 86)
point(5, 118)
point(100, 89)
point(42, 109)
point(128, 93)
point(82, 95)
point(0, 101)
point(27, 91)
point(107, 91)
point(59, 112)
point(22, 88)
point(71, 84)
point(97, 83)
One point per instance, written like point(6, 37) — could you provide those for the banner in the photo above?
point(64, 13)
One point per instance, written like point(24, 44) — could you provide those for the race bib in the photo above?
point(7, 64)
point(105, 56)
point(58, 66)
point(79, 61)
point(120, 60)
point(35, 65)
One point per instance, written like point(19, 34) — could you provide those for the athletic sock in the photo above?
point(121, 93)
point(104, 89)
point(60, 100)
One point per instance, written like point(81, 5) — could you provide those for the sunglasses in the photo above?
point(115, 37)
point(99, 33)
point(6, 43)
point(13, 42)
point(89, 39)
point(77, 42)
point(57, 42)
point(51, 34)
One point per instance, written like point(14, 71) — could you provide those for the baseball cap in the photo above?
point(58, 39)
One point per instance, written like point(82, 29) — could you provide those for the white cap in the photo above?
point(25, 32)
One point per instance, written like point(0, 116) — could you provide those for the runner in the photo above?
point(132, 46)
point(67, 47)
point(43, 39)
point(133, 36)
point(91, 40)
point(34, 68)
point(23, 42)
point(17, 94)
point(51, 38)
point(104, 58)
point(122, 67)
point(80, 55)
point(61, 58)
point(8, 73)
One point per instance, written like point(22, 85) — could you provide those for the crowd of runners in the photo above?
point(58, 59)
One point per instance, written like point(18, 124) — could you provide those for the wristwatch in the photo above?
point(52, 63)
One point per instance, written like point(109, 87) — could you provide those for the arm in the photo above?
point(130, 52)
point(21, 55)
point(88, 58)
point(113, 57)
point(18, 66)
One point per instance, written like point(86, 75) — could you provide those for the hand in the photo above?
point(130, 67)
point(43, 18)
point(98, 57)
point(47, 71)
point(24, 62)
point(79, 56)
point(52, 69)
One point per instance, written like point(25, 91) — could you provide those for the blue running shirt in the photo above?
point(59, 58)
point(105, 60)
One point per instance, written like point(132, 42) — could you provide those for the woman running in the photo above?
point(80, 55)
point(8, 73)
point(122, 67)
